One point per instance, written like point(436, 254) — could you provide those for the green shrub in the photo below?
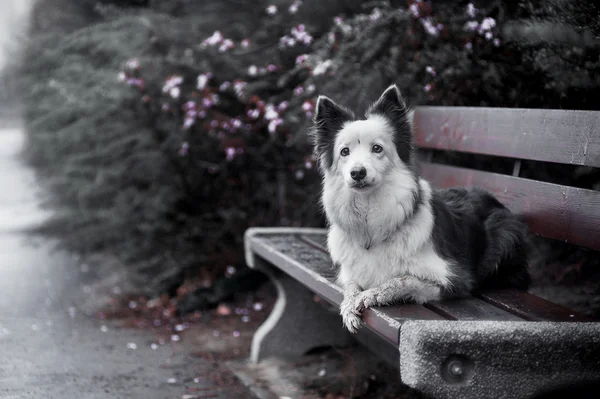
point(150, 174)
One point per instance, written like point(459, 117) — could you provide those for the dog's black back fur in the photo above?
point(485, 244)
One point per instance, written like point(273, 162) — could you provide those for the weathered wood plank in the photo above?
point(530, 307)
point(562, 136)
point(470, 309)
point(318, 241)
point(562, 213)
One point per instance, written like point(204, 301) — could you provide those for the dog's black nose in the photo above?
point(358, 173)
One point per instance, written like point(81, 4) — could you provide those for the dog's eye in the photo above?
point(345, 151)
point(377, 148)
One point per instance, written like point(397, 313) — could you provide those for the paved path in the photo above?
point(48, 350)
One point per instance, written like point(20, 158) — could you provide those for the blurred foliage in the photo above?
point(162, 139)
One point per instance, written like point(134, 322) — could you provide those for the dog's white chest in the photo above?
point(398, 256)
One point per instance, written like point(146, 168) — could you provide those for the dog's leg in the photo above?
point(398, 289)
point(350, 316)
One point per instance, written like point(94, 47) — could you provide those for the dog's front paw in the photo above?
point(366, 299)
point(350, 317)
point(351, 321)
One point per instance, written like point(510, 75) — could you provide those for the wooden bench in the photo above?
point(495, 343)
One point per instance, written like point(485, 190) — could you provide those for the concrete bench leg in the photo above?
point(297, 323)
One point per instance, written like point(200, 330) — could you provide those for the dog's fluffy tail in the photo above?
point(504, 261)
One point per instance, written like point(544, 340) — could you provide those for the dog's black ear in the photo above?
point(391, 106)
point(328, 120)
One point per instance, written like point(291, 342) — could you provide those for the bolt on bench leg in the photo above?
point(297, 323)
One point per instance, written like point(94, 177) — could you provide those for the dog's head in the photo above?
point(363, 152)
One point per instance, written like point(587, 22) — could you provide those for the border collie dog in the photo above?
point(394, 238)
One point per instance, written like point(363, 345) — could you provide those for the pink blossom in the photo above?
point(236, 123)
point(137, 82)
point(175, 92)
point(468, 46)
point(184, 149)
point(224, 86)
point(375, 14)
point(427, 88)
point(133, 63)
point(189, 120)
point(487, 24)
point(253, 113)
point(338, 20)
point(488, 35)
point(238, 87)
point(207, 103)
point(310, 88)
point(471, 26)
point(301, 59)
point(307, 106)
point(294, 6)
point(271, 68)
point(298, 34)
point(215, 39)
point(414, 10)
point(430, 70)
point(471, 10)
point(252, 70)
point(286, 41)
point(299, 174)
point(429, 28)
point(331, 38)
point(308, 165)
point(274, 124)
point(122, 76)
point(298, 90)
point(272, 10)
point(171, 83)
point(189, 105)
point(203, 80)
point(229, 153)
point(322, 67)
point(282, 106)
point(497, 42)
point(226, 45)
point(271, 113)
point(245, 43)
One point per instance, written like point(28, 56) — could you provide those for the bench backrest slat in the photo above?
point(559, 212)
point(560, 136)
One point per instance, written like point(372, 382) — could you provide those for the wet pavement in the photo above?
point(51, 350)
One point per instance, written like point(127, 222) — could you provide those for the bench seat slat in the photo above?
point(559, 212)
point(471, 309)
point(560, 136)
point(531, 307)
point(499, 304)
